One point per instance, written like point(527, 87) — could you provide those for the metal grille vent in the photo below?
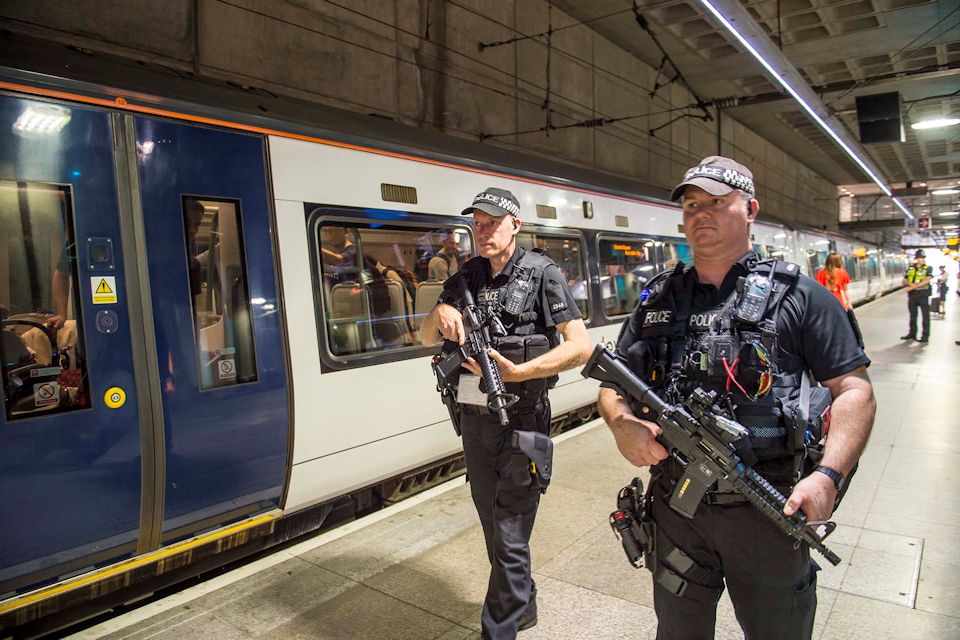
point(544, 211)
point(621, 221)
point(398, 193)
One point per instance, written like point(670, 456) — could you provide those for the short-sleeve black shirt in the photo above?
point(554, 305)
point(811, 324)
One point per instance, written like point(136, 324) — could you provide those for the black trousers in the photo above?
point(507, 513)
point(773, 586)
point(921, 303)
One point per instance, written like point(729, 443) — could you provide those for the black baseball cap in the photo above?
point(919, 254)
point(495, 202)
point(718, 176)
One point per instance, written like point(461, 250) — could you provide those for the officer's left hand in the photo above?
point(815, 494)
point(509, 372)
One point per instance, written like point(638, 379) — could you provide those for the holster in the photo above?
point(448, 397)
point(532, 459)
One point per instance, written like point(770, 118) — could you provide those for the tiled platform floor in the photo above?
point(421, 572)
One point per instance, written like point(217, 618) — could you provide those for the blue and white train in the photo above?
point(210, 326)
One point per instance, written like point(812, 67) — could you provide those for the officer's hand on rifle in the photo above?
point(637, 440)
point(450, 323)
point(815, 494)
point(509, 372)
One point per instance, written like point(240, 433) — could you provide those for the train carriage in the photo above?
point(210, 329)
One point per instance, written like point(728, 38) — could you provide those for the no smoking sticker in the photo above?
point(228, 369)
point(46, 393)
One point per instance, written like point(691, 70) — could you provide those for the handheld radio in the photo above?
point(753, 298)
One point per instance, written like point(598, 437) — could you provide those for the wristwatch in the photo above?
point(834, 475)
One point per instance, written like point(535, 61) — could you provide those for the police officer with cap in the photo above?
point(917, 281)
point(529, 295)
point(695, 327)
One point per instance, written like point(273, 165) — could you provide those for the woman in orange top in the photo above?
point(835, 278)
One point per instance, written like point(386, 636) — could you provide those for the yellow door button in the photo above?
point(114, 397)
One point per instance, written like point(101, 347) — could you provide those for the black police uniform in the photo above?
point(677, 339)
point(507, 509)
point(919, 300)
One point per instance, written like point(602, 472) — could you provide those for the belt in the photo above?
point(526, 404)
point(723, 498)
point(717, 498)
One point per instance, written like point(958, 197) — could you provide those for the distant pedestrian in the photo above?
point(836, 279)
point(917, 280)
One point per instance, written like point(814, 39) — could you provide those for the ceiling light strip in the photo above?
point(778, 76)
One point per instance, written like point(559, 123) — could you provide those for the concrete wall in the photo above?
point(418, 62)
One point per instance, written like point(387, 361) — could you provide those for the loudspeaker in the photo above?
point(878, 117)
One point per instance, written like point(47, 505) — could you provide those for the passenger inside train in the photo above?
point(42, 350)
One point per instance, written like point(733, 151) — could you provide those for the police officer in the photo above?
point(917, 281)
point(500, 482)
point(690, 330)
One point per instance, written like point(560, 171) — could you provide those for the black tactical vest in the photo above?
point(679, 350)
point(517, 305)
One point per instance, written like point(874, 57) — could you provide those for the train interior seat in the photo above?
point(390, 324)
point(427, 293)
point(349, 319)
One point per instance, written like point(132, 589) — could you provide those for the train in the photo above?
point(210, 325)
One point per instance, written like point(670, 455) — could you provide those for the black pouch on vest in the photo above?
point(640, 359)
point(535, 345)
point(532, 459)
point(511, 348)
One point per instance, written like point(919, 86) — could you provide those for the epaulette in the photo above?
point(658, 285)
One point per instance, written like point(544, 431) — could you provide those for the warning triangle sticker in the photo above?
point(103, 287)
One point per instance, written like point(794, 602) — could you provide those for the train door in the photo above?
point(70, 444)
point(219, 346)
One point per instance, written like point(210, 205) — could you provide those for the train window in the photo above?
point(42, 348)
point(379, 280)
point(567, 253)
point(218, 292)
point(674, 252)
point(626, 264)
point(852, 267)
point(817, 258)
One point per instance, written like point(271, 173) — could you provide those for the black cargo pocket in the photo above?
point(805, 600)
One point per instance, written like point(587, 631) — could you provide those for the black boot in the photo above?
point(908, 337)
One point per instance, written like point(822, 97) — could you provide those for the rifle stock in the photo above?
point(706, 445)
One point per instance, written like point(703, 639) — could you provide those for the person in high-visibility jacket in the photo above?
point(917, 280)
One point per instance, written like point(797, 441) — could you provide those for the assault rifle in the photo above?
point(709, 446)
point(479, 327)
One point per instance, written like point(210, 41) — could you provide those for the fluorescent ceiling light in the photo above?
point(948, 214)
point(778, 76)
point(935, 124)
point(951, 226)
point(41, 119)
point(945, 192)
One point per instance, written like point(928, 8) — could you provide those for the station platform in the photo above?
point(418, 569)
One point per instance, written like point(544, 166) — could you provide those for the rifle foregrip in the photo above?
point(770, 503)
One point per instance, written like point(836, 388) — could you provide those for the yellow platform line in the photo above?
point(44, 593)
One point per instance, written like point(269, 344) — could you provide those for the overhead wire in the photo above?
point(532, 102)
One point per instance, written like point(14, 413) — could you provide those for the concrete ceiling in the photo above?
point(843, 48)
